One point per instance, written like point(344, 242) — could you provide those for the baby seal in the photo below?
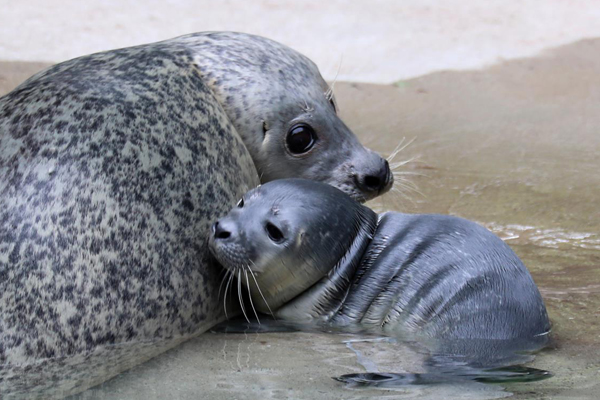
point(306, 252)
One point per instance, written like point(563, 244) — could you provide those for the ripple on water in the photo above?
point(554, 238)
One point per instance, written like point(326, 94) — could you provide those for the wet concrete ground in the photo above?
point(515, 147)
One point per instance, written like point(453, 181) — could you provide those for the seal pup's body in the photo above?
point(317, 256)
point(112, 167)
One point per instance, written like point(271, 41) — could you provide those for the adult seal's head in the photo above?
point(286, 114)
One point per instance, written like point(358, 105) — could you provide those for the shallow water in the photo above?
point(514, 147)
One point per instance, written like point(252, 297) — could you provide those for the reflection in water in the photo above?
point(445, 361)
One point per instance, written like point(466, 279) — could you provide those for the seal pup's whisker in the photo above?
point(225, 295)
point(260, 291)
point(227, 272)
point(239, 279)
point(249, 294)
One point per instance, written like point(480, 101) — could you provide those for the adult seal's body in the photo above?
point(112, 167)
point(314, 255)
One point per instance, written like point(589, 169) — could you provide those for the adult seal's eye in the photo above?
point(301, 138)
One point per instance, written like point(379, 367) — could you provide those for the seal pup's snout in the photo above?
point(222, 230)
point(377, 179)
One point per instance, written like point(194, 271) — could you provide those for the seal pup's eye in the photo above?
point(274, 233)
point(240, 203)
point(301, 138)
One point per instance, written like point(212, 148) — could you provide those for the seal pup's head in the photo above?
point(288, 236)
point(286, 114)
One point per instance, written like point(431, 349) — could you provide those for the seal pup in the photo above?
point(112, 168)
point(308, 253)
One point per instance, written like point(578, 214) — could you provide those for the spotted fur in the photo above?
point(112, 167)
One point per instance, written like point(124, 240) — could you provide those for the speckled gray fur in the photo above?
point(112, 167)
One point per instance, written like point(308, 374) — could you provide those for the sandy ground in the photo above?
point(365, 41)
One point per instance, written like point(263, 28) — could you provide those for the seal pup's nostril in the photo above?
point(220, 232)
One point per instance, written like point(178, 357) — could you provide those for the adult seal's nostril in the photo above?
point(378, 180)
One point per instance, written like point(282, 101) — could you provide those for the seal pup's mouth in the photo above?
point(235, 260)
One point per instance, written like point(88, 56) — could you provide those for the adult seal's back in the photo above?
point(112, 167)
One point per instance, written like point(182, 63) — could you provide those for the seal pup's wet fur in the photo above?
point(307, 253)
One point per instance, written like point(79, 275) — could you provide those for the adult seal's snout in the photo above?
point(377, 178)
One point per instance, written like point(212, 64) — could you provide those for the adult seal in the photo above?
point(308, 253)
point(113, 166)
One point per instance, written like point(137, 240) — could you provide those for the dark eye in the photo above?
point(240, 203)
point(301, 138)
point(274, 233)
